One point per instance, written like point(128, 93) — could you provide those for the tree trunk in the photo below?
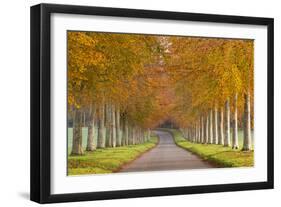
point(215, 138)
point(221, 129)
point(247, 143)
point(199, 131)
point(202, 130)
point(235, 144)
point(210, 141)
point(126, 131)
point(134, 135)
point(91, 130)
point(227, 124)
point(118, 131)
point(130, 137)
point(77, 148)
point(207, 130)
point(196, 132)
point(108, 125)
point(122, 130)
point(101, 129)
point(148, 135)
point(113, 125)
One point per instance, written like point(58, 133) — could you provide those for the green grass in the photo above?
point(217, 154)
point(107, 160)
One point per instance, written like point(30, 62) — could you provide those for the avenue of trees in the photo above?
point(124, 85)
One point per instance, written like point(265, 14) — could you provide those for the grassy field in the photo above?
point(107, 160)
point(217, 154)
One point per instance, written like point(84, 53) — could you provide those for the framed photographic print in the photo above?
point(133, 103)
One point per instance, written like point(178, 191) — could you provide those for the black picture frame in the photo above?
point(41, 99)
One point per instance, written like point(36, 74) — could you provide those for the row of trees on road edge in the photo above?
point(111, 82)
point(214, 87)
point(215, 128)
point(113, 130)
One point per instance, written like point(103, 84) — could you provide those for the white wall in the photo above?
point(14, 104)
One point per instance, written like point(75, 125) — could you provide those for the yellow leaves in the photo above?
point(207, 71)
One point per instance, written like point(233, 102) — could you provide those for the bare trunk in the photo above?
point(126, 131)
point(202, 130)
point(196, 132)
point(113, 126)
point(221, 128)
point(101, 129)
point(199, 131)
point(207, 130)
point(91, 130)
point(148, 134)
point(130, 135)
point(235, 144)
point(134, 135)
point(247, 144)
point(118, 131)
point(122, 131)
point(108, 125)
point(77, 148)
point(227, 124)
point(215, 138)
point(210, 141)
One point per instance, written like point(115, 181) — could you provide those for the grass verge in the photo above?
point(107, 160)
point(217, 154)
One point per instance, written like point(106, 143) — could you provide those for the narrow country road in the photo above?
point(166, 156)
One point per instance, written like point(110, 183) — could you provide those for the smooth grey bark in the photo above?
point(130, 135)
point(202, 130)
point(221, 128)
point(134, 135)
point(122, 131)
point(227, 124)
point(196, 132)
point(247, 142)
point(91, 129)
point(137, 135)
point(215, 137)
point(207, 130)
point(148, 134)
point(126, 131)
point(199, 131)
point(235, 144)
point(77, 148)
point(101, 125)
point(108, 125)
point(113, 125)
point(190, 134)
point(118, 128)
point(210, 141)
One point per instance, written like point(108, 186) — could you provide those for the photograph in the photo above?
point(152, 102)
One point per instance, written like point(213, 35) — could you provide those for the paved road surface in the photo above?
point(166, 156)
